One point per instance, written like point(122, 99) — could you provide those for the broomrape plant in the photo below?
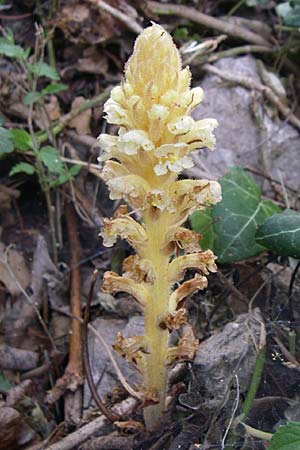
point(156, 136)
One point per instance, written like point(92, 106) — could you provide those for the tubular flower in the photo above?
point(141, 165)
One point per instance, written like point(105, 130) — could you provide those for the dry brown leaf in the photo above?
point(52, 107)
point(93, 64)
point(82, 24)
point(81, 123)
point(18, 266)
point(7, 195)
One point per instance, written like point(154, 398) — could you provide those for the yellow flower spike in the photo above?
point(153, 145)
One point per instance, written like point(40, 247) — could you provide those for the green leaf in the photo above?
point(281, 234)
point(54, 88)
point(50, 157)
point(238, 215)
point(44, 70)
point(32, 97)
point(74, 170)
point(290, 13)
point(21, 139)
point(11, 50)
point(202, 222)
point(229, 228)
point(22, 168)
point(6, 145)
point(287, 437)
point(5, 386)
point(2, 120)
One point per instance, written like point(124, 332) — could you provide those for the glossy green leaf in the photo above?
point(287, 437)
point(290, 13)
point(281, 234)
point(229, 228)
point(22, 168)
point(202, 222)
point(238, 215)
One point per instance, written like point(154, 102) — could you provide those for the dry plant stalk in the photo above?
point(152, 108)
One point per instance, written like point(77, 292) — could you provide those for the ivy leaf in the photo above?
point(281, 234)
point(287, 437)
point(21, 139)
point(6, 145)
point(290, 13)
point(238, 215)
point(230, 231)
point(201, 222)
point(44, 70)
point(22, 168)
point(50, 157)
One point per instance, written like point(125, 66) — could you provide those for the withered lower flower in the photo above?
point(155, 139)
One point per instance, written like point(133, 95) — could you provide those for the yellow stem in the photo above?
point(157, 339)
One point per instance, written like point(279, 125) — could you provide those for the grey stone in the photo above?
point(240, 139)
point(226, 354)
point(103, 372)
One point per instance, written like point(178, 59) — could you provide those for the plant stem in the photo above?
point(255, 380)
point(157, 338)
point(256, 376)
point(56, 129)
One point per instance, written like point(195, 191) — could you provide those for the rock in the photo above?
point(241, 140)
point(102, 368)
point(228, 353)
point(17, 359)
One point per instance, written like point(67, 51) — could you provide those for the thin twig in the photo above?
point(86, 362)
point(291, 359)
point(73, 440)
point(128, 21)
point(232, 288)
point(234, 409)
point(209, 22)
point(250, 83)
point(75, 358)
point(65, 120)
point(243, 49)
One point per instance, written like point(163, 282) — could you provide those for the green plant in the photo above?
point(287, 437)
point(43, 161)
point(280, 233)
point(229, 227)
point(156, 135)
point(290, 13)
